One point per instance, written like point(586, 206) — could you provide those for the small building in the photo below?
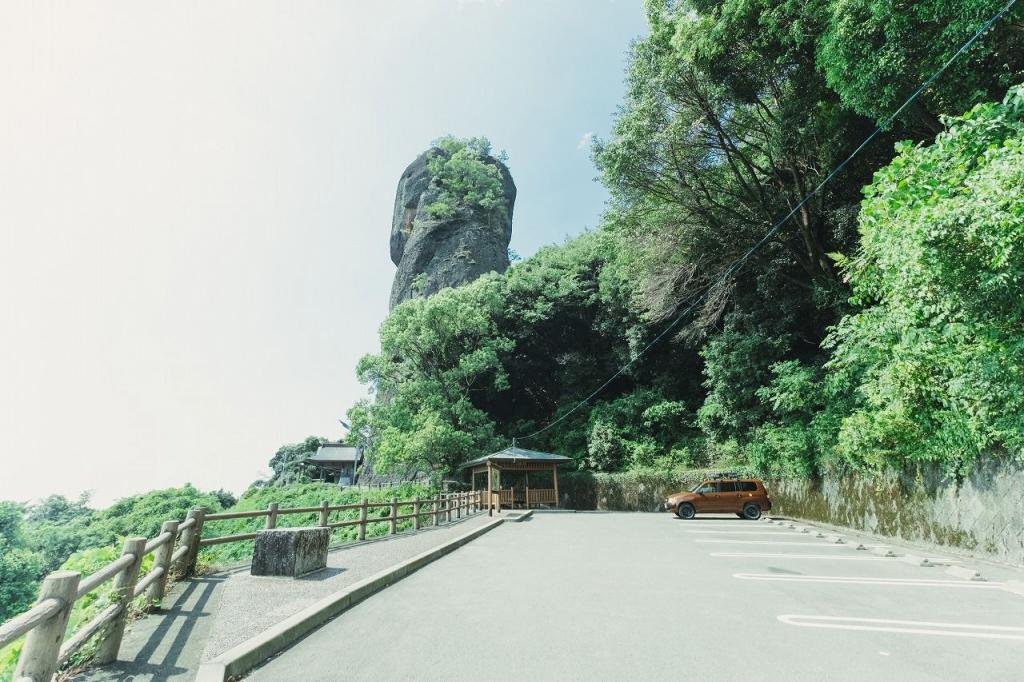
point(336, 463)
point(506, 473)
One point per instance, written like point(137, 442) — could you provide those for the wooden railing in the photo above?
point(509, 497)
point(540, 496)
point(175, 551)
point(383, 484)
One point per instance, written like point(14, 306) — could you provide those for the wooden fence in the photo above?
point(175, 551)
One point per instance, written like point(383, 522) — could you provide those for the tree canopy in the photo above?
point(879, 325)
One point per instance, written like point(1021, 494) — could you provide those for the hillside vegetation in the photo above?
point(59, 533)
point(878, 327)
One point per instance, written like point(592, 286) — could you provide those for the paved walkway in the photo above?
point(209, 615)
point(648, 596)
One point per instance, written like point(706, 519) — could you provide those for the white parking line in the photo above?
point(743, 532)
point(832, 557)
point(816, 545)
point(854, 580)
point(912, 627)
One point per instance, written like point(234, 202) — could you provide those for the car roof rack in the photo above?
point(725, 474)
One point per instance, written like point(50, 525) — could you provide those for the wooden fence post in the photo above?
point(448, 506)
point(324, 513)
point(416, 514)
point(394, 515)
point(190, 538)
point(362, 520)
point(124, 590)
point(437, 513)
point(527, 497)
point(162, 559)
point(38, 660)
point(272, 516)
point(458, 505)
point(186, 541)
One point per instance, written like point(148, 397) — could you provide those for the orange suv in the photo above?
point(745, 497)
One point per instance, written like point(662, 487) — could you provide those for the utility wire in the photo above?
point(739, 262)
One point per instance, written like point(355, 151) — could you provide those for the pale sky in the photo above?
point(195, 202)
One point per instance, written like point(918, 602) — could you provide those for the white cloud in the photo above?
point(585, 140)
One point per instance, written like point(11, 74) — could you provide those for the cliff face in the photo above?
point(437, 252)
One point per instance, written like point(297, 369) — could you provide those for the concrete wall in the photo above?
point(626, 491)
point(983, 514)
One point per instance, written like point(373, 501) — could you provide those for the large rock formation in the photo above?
point(437, 252)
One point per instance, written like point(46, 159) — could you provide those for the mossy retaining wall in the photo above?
point(982, 514)
point(626, 491)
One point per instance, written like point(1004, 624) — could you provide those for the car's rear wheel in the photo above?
point(752, 512)
point(685, 510)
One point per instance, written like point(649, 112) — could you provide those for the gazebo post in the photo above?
point(490, 495)
point(554, 470)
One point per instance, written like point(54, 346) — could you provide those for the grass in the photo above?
point(219, 556)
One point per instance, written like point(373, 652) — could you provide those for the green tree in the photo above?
point(288, 465)
point(143, 514)
point(875, 53)
point(465, 175)
point(936, 355)
point(57, 528)
point(436, 354)
point(19, 566)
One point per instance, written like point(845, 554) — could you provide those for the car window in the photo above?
point(707, 488)
point(727, 487)
point(746, 486)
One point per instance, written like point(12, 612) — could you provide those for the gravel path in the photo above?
point(250, 604)
point(210, 614)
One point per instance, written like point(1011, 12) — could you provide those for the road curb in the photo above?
point(253, 651)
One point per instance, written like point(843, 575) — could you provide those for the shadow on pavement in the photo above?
point(163, 646)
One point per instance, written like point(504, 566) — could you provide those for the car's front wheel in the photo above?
point(685, 510)
point(752, 512)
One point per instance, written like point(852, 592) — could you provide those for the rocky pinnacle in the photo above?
point(435, 253)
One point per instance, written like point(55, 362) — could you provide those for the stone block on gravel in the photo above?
point(290, 551)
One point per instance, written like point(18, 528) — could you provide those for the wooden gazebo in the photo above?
point(517, 460)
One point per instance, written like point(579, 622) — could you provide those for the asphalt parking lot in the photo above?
point(647, 596)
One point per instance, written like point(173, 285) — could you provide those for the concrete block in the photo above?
point(290, 551)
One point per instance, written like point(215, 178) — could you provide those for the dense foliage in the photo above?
point(55, 533)
point(464, 176)
point(937, 351)
point(877, 327)
point(59, 533)
point(288, 465)
point(305, 495)
point(880, 326)
point(19, 565)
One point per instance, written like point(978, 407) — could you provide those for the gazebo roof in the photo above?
point(334, 453)
point(518, 455)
